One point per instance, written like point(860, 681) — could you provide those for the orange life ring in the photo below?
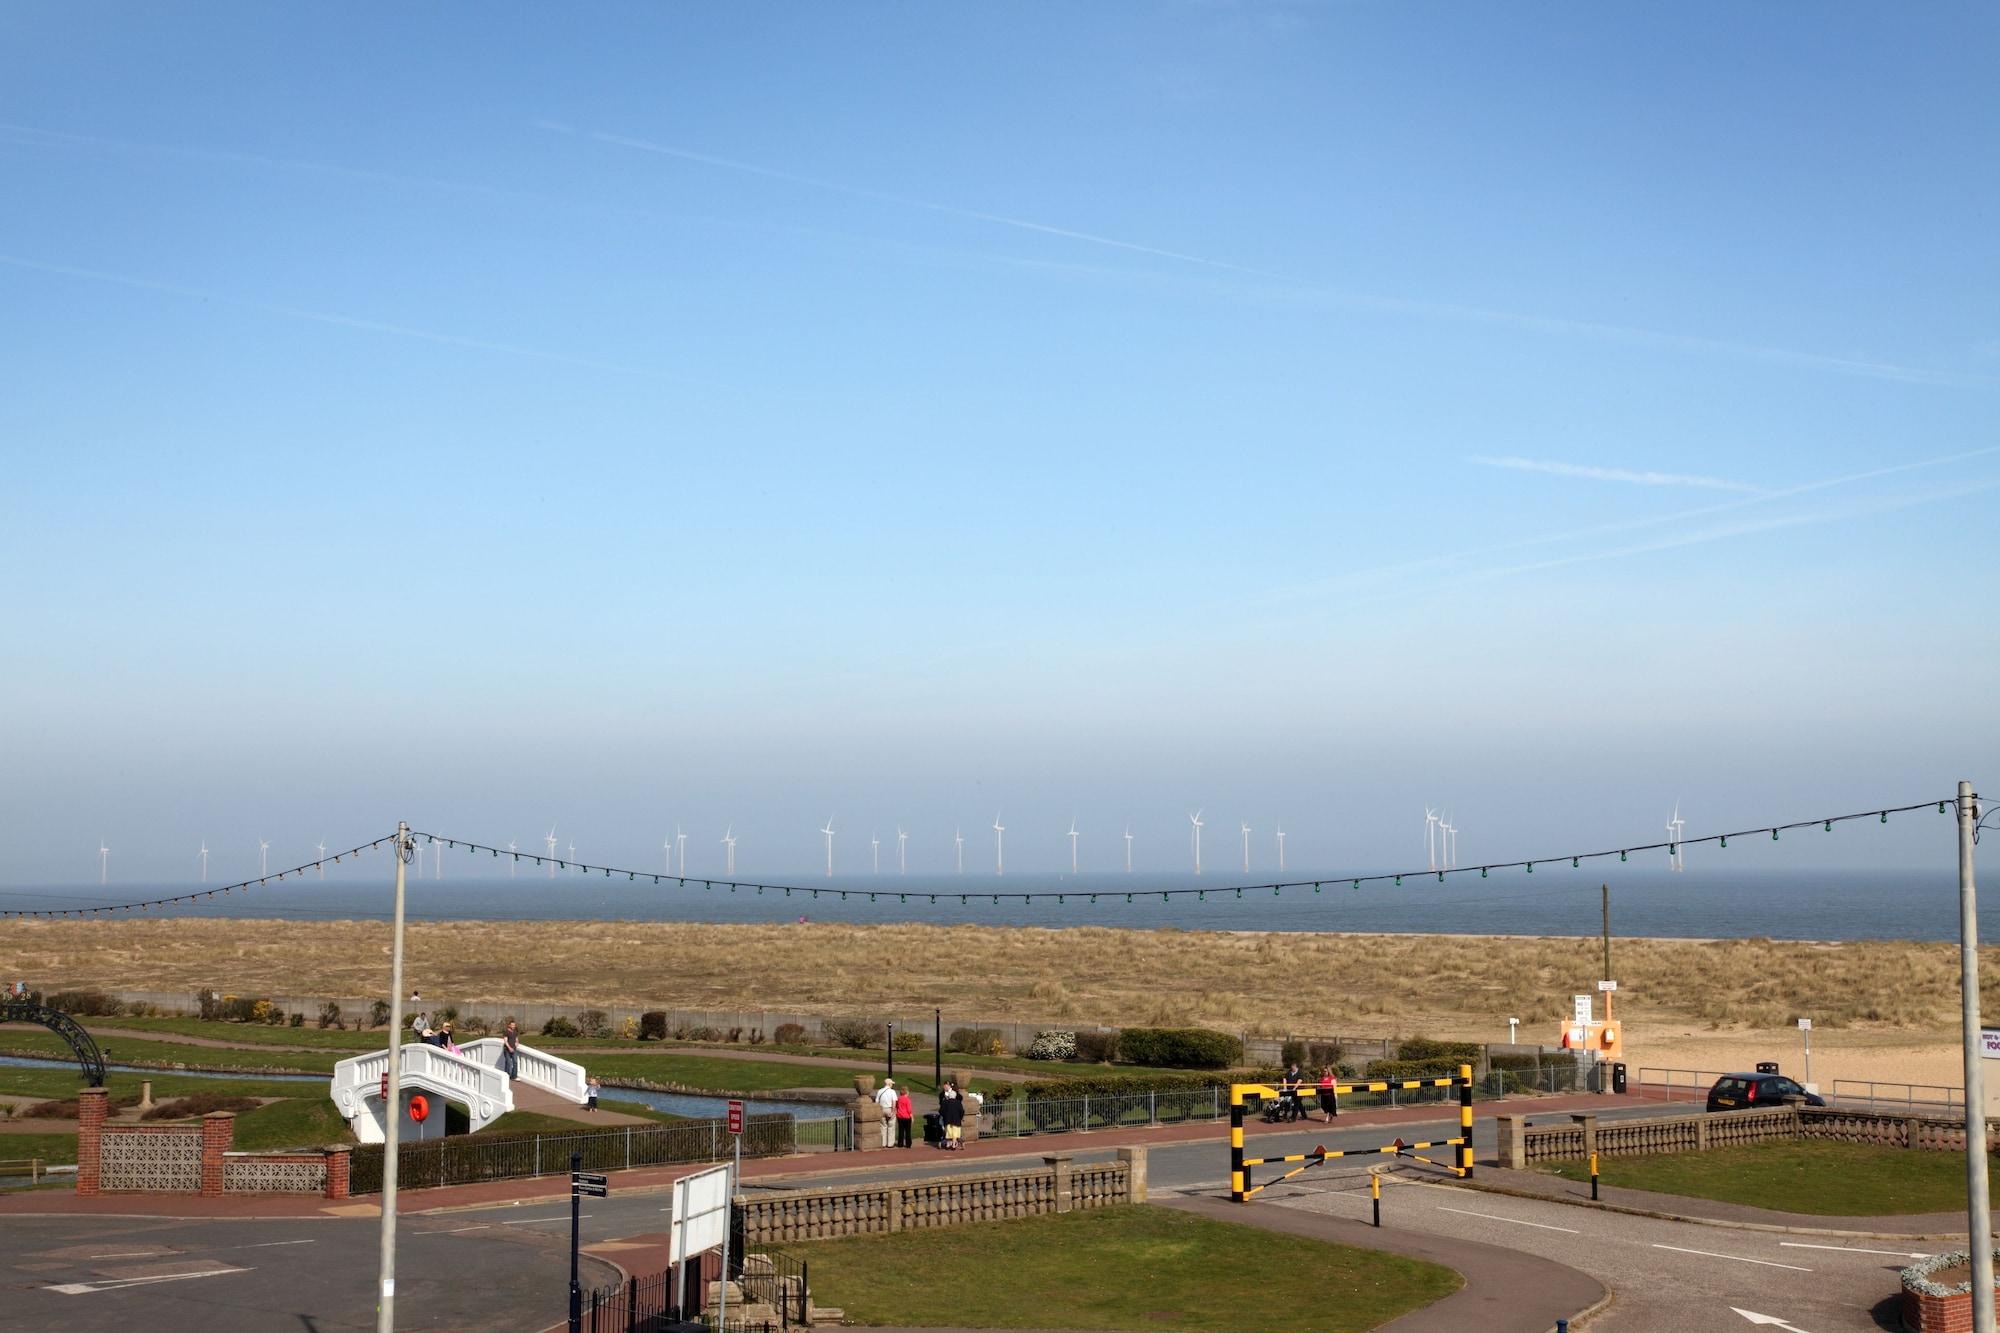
point(420, 1107)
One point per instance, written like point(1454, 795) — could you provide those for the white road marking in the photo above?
point(131, 1254)
point(530, 1221)
point(119, 1284)
point(267, 1244)
point(453, 1231)
point(1495, 1217)
point(1711, 1254)
point(1851, 1249)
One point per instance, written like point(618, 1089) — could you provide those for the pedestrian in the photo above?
point(591, 1090)
point(1326, 1095)
point(885, 1098)
point(510, 1050)
point(1294, 1108)
point(951, 1114)
point(419, 1021)
point(904, 1112)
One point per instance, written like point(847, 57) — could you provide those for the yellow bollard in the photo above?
point(1593, 1177)
point(1375, 1193)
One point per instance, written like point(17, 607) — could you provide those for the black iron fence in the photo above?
point(467, 1159)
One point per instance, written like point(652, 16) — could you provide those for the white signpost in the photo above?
point(701, 1218)
point(1582, 1010)
point(1805, 1035)
point(1989, 1043)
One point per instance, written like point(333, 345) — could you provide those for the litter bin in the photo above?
point(933, 1130)
point(1767, 1066)
point(1618, 1077)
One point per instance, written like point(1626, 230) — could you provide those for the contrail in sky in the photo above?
point(316, 316)
point(1305, 287)
point(1615, 474)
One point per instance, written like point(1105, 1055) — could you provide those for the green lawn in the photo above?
point(51, 1148)
point(1808, 1176)
point(16, 1040)
point(1137, 1267)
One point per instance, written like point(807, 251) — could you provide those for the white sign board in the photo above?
point(1989, 1043)
point(1582, 1009)
point(701, 1214)
point(1607, 986)
point(1805, 1025)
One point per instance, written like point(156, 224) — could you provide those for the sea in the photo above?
point(1705, 901)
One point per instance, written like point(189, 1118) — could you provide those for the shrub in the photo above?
point(89, 1003)
point(653, 1025)
point(475, 1026)
point(975, 1041)
point(207, 1005)
point(1099, 1048)
point(298, 1020)
point(756, 1036)
point(704, 1034)
point(559, 1027)
point(855, 1033)
point(1310, 1054)
point(378, 1013)
point(1423, 1048)
point(1179, 1048)
point(909, 1041)
point(1052, 1045)
point(628, 1029)
point(735, 1034)
point(329, 1015)
point(790, 1034)
point(592, 1023)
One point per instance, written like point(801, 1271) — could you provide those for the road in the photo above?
point(506, 1267)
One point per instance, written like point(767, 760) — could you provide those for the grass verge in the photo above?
point(1137, 1267)
point(1820, 1178)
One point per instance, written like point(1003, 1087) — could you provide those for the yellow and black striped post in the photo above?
point(1375, 1195)
point(1465, 1122)
point(1239, 1176)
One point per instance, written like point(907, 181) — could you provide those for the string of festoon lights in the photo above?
point(1571, 860)
point(170, 901)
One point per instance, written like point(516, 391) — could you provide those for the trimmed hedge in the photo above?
point(1179, 1048)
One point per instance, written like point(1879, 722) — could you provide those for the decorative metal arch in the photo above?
point(60, 1023)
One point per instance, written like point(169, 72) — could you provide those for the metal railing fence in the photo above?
point(1929, 1098)
point(469, 1158)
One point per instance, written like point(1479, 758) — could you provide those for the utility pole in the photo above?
point(1978, 1206)
point(937, 1051)
point(1605, 889)
point(392, 1103)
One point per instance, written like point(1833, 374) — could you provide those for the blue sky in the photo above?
point(698, 414)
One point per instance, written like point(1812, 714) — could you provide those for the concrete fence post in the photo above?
point(1059, 1164)
point(1513, 1153)
point(1589, 1123)
point(1701, 1134)
point(1135, 1173)
point(1911, 1129)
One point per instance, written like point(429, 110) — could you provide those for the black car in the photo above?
point(1733, 1092)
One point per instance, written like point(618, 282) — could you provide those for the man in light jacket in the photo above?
point(885, 1097)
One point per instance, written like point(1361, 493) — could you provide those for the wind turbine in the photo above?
point(204, 860)
point(551, 841)
point(999, 846)
point(1430, 836)
point(1281, 849)
point(1072, 844)
point(680, 849)
point(902, 851)
point(437, 859)
point(1674, 827)
point(263, 857)
point(513, 862)
point(1128, 849)
point(667, 845)
point(958, 840)
point(322, 858)
point(1195, 820)
point(1450, 832)
point(729, 850)
point(1246, 849)
point(876, 843)
point(828, 830)
point(103, 862)
point(572, 854)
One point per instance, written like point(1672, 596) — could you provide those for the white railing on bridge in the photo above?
point(356, 1090)
point(551, 1073)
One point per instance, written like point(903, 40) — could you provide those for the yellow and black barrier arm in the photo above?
point(1241, 1188)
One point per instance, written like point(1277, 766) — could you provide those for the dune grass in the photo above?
point(1825, 1179)
point(1368, 983)
point(1117, 1268)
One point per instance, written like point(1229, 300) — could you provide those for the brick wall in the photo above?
point(194, 1159)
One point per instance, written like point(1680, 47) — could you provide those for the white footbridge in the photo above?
point(472, 1079)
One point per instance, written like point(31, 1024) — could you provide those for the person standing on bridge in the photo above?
point(885, 1098)
point(905, 1112)
point(510, 1050)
